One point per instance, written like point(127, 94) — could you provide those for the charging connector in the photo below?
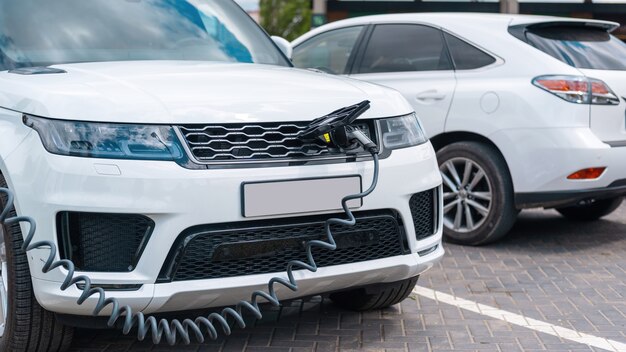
point(352, 140)
point(336, 129)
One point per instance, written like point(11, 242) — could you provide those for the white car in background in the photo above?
point(524, 111)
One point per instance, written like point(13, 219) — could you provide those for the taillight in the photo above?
point(579, 90)
point(601, 93)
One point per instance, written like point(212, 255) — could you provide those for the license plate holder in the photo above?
point(285, 197)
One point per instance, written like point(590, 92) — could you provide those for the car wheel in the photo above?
point(382, 296)
point(591, 211)
point(24, 324)
point(478, 201)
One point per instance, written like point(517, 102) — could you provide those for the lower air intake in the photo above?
point(230, 250)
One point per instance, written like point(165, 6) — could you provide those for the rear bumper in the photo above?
point(568, 198)
point(540, 161)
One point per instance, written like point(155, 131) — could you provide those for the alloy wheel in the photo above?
point(467, 194)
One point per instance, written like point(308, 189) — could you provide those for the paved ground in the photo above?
point(572, 275)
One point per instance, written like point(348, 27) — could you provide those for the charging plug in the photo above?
point(335, 129)
point(350, 138)
point(362, 139)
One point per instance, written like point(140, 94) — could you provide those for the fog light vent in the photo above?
point(424, 211)
point(103, 242)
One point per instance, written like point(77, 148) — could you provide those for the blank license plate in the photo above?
point(299, 196)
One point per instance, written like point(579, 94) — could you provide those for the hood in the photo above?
point(166, 92)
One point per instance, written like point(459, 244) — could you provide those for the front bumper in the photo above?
point(176, 199)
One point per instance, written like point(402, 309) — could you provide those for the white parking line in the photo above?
point(520, 320)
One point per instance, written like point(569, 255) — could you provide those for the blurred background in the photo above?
point(292, 18)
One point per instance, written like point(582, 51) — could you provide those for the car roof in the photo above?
point(450, 19)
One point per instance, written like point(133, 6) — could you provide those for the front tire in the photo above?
point(26, 325)
point(383, 296)
point(591, 211)
point(478, 195)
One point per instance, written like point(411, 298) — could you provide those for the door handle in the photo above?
point(430, 96)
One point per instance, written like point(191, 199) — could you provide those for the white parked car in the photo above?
point(158, 145)
point(523, 111)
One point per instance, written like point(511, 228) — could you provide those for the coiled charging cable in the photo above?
point(173, 330)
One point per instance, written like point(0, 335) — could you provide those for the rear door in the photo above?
point(598, 55)
point(414, 60)
point(608, 122)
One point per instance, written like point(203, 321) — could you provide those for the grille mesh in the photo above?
point(103, 242)
point(424, 215)
point(196, 255)
point(250, 142)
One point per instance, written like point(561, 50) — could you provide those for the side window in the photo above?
point(328, 51)
point(465, 55)
point(405, 47)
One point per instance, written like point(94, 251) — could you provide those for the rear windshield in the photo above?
point(581, 47)
point(46, 32)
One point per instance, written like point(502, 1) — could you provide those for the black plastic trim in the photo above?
point(357, 56)
point(433, 195)
point(428, 251)
point(114, 287)
point(568, 198)
point(519, 31)
point(190, 163)
point(172, 260)
point(617, 144)
point(65, 242)
point(358, 48)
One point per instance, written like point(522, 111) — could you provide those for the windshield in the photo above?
point(581, 47)
point(46, 32)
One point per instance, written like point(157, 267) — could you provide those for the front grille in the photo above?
point(267, 247)
point(103, 242)
point(254, 142)
point(424, 212)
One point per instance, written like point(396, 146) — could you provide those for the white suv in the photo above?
point(523, 111)
point(159, 146)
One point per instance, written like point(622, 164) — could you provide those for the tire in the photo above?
point(28, 326)
point(591, 211)
point(485, 191)
point(384, 295)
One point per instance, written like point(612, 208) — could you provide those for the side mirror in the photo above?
point(283, 45)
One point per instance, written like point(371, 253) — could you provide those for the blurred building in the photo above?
point(255, 14)
point(612, 10)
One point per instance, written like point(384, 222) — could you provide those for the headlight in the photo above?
point(401, 132)
point(105, 140)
